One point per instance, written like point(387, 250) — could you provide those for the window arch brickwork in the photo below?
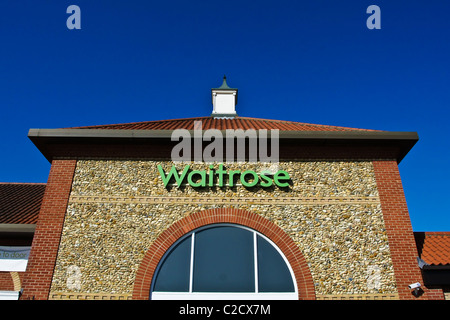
point(141, 290)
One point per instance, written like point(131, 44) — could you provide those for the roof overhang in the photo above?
point(436, 275)
point(107, 143)
point(21, 232)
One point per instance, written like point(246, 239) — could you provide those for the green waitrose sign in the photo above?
point(203, 178)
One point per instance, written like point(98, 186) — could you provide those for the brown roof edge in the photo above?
point(283, 134)
point(17, 227)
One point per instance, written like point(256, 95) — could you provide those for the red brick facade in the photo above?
point(37, 280)
point(6, 281)
point(399, 230)
point(46, 239)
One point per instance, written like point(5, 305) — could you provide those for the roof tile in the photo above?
point(433, 247)
point(244, 123)
point(20, 202)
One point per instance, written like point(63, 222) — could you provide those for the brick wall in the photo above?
point(11, 280)
point(399, 230)
point(6, 281)
point(37, 281)
point(44, 250)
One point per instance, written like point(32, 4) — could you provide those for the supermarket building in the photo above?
point(120, 219)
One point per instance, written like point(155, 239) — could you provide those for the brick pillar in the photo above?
point(44, 250)
point(399, 229)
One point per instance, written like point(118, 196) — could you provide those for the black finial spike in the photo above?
point(224, 85)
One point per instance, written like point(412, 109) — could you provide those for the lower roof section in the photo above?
point(434, 248)
point(20, 204)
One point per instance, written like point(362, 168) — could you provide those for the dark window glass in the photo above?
point(273, 273)
point(174, 272)
point(223, 260)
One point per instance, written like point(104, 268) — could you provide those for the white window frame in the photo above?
point(9, 295)
point(190, 295)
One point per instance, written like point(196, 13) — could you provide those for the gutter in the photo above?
point(19, 228)
point(158, 134)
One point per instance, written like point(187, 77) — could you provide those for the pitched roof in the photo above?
point(433, 247)
point(244, 123)
point(20, 202)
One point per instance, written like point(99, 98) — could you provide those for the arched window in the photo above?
point(224, 261)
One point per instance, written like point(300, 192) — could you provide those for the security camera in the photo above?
point(416, 285)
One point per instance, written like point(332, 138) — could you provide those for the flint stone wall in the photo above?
point(118, 208)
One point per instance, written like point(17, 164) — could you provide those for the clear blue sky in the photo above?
point(309, 61)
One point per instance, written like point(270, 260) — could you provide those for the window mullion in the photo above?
point(255, 260)
point(191, 267)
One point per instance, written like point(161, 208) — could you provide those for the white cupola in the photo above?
point(224, 100)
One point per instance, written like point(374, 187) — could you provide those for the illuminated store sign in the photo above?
point(221, 177)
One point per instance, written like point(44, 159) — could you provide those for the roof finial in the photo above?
point(224, 100)
point(224, 83)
